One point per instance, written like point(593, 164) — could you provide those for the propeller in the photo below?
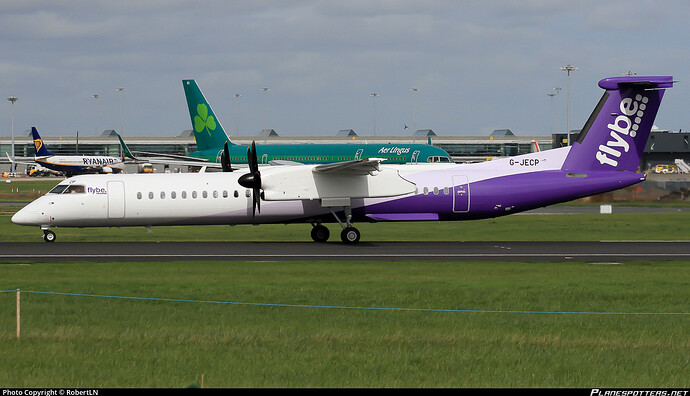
point(225, 159)
point(253, 178)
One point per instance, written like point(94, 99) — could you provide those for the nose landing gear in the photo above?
point(48, 235)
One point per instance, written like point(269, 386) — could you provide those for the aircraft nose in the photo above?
point(26, 216)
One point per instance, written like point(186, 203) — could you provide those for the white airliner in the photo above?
point(72, 164)
point(605, 157)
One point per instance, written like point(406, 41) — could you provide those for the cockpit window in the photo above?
point(68, 189)
point(58, 189)
point(75, 189)
point(438, 159)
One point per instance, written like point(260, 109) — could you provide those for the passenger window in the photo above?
point(138, 195)
point(184, 194)
point(225, 193)
point(446, 191)
point(435, 190)
point(215, 194)
point(193, 194)
point(426, 190)
point(204, 194)
point(237, 194)
point(173, 194)
point(162, 194)
point(150, 194)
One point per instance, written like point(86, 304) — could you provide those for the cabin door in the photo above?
point(116, 200)
point(461, 194)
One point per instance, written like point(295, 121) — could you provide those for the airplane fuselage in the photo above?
point(441, 192)
point(329, 153)
point(78, 164)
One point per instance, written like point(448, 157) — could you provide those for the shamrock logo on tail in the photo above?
point(204, 121)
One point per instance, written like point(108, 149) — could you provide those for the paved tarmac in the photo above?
point(604, 251)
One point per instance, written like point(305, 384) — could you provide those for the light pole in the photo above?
point(266, 92)
point(568, 68)
point(95, 123)
point(13, 99)
point(122, 108)
point(551, 95)
point(414, 114)
point(374, 95)
point(237, 117)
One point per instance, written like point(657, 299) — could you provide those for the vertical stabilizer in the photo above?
point(208, 132)
point(616, 133)
point(41, 151)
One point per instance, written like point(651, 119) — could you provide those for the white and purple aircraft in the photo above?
point(605, 157)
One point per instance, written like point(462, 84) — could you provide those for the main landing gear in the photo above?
point(349, 235)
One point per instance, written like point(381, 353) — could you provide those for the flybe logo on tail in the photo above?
point(204, 121)
point(625, 124)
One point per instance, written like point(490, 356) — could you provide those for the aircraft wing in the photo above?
point(171, 156)
point(167, 159)
point(343, 180)
point(355, 167)
point(20, 160)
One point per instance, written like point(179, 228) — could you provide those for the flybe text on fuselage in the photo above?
point(624, 125)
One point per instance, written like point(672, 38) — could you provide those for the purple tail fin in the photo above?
point(616, 133)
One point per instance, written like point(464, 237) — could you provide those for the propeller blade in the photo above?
point(225, 159)
point(253, 178)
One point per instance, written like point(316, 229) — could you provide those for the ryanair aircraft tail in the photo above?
point(41, 151)
point(208, 132)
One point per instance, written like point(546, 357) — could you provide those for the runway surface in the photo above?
point(603, 251)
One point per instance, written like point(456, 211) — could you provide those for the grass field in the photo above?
point(357, 324)
point(330, 341)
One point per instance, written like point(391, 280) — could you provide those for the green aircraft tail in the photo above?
point(126, 154)
point(208, 132)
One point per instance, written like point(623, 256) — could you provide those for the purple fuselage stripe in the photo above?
point(503, 195)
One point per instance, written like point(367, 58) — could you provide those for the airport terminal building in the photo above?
point(663, 148)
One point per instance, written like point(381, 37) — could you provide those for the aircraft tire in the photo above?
point(49, 236)
point(320, 233)
point(350, 235)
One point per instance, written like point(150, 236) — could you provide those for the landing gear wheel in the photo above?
point(49, 236)
point(350, 235)
point(320, 233)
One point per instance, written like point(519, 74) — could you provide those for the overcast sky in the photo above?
point(477, 65)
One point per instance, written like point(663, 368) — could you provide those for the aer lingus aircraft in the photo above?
point(211, 137)
point(605, 157)
point(72, 164)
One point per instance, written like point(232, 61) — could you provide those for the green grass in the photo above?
point(71, 341)
point(77, 341)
